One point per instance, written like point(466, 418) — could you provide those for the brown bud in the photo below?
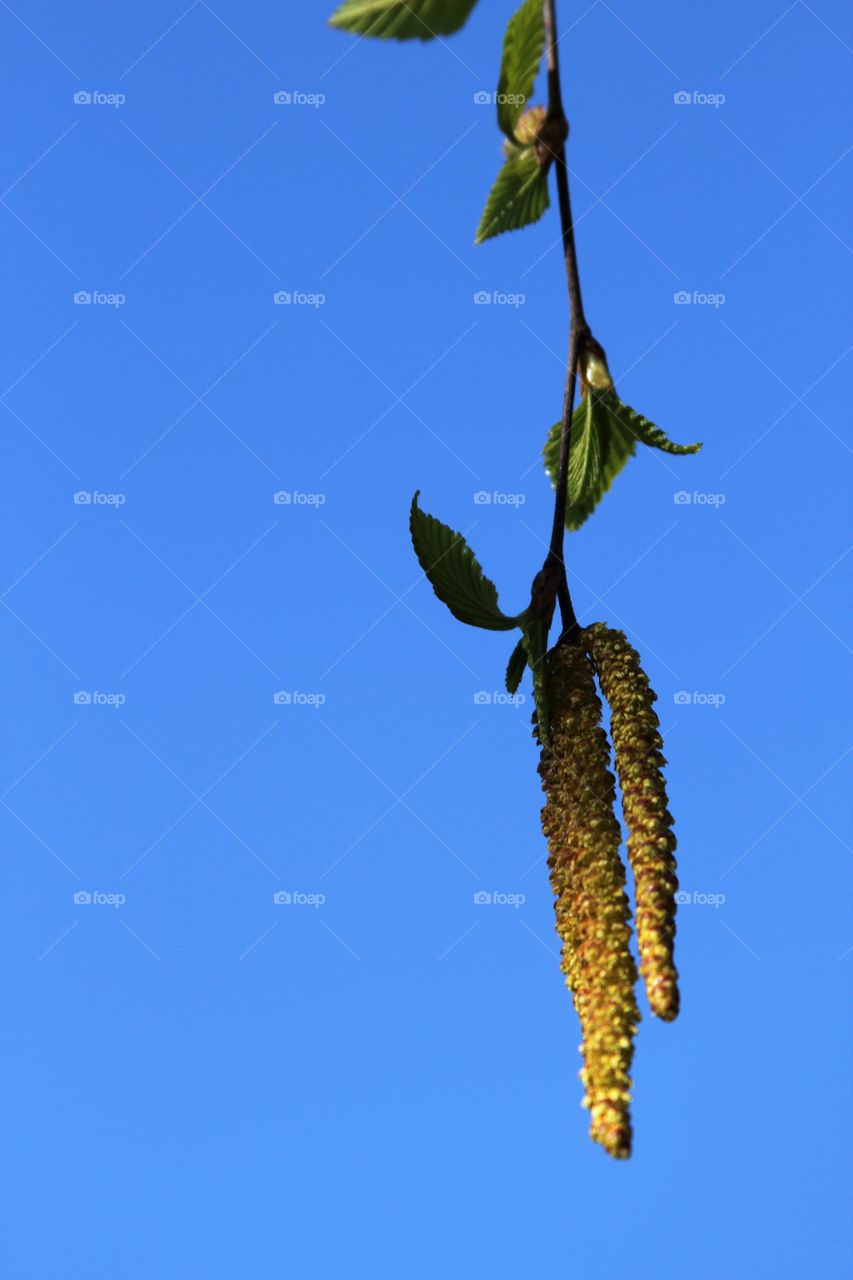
point(635, 730)
point(588, 880)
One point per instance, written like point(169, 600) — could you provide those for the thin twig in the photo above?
point(556, 132)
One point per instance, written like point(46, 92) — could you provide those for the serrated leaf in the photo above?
point(518, 198)
point(647, 432)
point(515, 666)
point(605, 432)
point(536, 642)
point(600, 447)
point(587, 460)
point(623, 446)
point(402, 19)
point(524, 44)
point(456, 576)
point(551, 447)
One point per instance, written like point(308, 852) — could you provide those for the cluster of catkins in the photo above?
point(587, 875)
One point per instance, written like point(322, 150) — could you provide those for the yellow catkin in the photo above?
point(634, 728)
point(588, 879)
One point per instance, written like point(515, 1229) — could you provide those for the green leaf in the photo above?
point(455, 574)
point(646, 432)
point(605, 432)
point(587, 458)
point(600, 446)
point(519, 197)
point(515, 666)
point(536, 642)
point(524, 44)
point(551, 447)
point(402, 19)
point(622, 446)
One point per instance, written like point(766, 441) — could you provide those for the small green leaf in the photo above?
point(515, 666)
point(524, 43)
point(551, 447)
point(402, 19)
point(455, 574)
point(600, 446)
point(623, 445)
point(646, 432)
point(587, 459)
point(536, 642)
point(605, 432)
point(519, 197)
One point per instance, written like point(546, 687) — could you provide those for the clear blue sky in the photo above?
point(378, 1078)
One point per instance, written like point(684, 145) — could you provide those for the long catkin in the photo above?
point(588, 880)
point(634, 728)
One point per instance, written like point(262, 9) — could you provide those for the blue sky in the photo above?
point(378, 1075)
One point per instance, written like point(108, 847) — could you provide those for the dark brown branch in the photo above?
point(554, 135)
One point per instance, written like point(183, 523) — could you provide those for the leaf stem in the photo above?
point(558, 129)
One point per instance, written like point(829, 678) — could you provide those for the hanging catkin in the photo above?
point(588, 880)
point(637, 743)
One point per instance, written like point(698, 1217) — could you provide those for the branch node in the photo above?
point(551, 138)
